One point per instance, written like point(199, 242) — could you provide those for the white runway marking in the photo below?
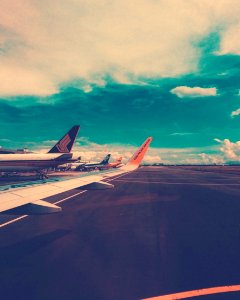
point(176, 183)
point(70, 197)
point(196, 293)
point(12, 221)
point(62, 200)
point(24, 216)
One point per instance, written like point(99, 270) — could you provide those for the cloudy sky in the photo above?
point(123, 70)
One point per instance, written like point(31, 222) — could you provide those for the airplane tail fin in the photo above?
point(105, 160)
point(65, 144)
point(138, 156)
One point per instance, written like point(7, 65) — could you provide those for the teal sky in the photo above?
point(123, 80)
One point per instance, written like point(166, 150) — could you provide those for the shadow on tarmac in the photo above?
point(12, 255)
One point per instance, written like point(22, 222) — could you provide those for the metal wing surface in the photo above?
point(29, 196)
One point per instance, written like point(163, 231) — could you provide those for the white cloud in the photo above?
point(181, 133)
point(209, 159)
point(87, 88)
point(45, 43)
point(125, 151)
point(151, 159)
point(235, 113)
point(91, 151)
point(230, 43)
point(193, 92)
point(230, 150)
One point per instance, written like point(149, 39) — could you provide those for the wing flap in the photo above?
point(100, 185)
point(37, 208)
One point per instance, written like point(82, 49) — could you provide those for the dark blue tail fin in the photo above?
point(105, 160)
point(66, 143)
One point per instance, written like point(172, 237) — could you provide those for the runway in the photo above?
point(161, 230)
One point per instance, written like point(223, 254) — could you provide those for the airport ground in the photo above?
point(161, 230)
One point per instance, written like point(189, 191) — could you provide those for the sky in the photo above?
point(122, 70)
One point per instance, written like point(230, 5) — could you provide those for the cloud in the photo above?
point(203, 159)
point(209, 159)
point(125, 151)
point(193, 92)
point(92, 151)
point(46, 43)
point(230, 43)
point(230, 150)
point(181, 133)
point(151, 159)
point(235, 113)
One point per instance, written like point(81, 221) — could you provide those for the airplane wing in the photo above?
point(27, 198)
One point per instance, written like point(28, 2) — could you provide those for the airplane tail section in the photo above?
point(65, 144)
point(138, 156)
point(105, 160)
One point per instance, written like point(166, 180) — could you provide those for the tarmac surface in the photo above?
point(161, 230)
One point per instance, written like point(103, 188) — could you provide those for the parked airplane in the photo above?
point(73, 165)
point(28, 199)
point(93, 166)
point(114, 164)
point(39, 162)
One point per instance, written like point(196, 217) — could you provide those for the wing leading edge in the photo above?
point(28, 199)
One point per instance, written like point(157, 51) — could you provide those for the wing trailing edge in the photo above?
point(39, 207)
point(98, 185)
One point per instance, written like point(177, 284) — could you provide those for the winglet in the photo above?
point(64, 145)
point(138, 156)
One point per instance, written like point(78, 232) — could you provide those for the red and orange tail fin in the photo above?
point(138, 156)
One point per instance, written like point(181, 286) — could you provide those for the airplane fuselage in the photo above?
point(111, 165)
point(89, 166)
point(33, 162)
